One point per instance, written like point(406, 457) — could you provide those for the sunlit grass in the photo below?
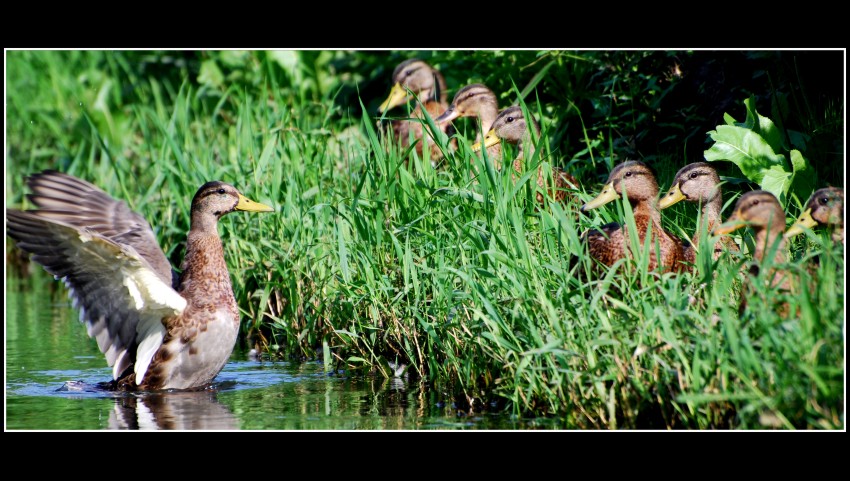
point(462, 279)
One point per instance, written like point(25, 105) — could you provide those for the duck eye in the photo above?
point(756, 202)
point(629, 174)
point(824, 200)
point(693, 175)
point(408, 72)
point(220, 191)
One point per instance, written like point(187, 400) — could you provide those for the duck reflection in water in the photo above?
point(198, 410)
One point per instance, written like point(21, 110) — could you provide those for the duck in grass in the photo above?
point(511, 126)
point(610, 243)
point(415, 78)
point(157, 329)
point(479, 102)
point(699, 183)
point(762, 212)
point(824, 208)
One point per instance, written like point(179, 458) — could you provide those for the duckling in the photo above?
point(763, 213)
point(156, 328)
point(699, 183)
point(429, 86)
point(611, 243)
point(511, 126)
point(825, 207)
point(475, 100)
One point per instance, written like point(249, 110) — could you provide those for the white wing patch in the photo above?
point(154, 300)
point(151, 331)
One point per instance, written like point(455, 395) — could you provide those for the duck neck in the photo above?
point(838, 234)
point(204, 269)
point(765, 239)
point(525, 148)
point(709, 218)
point(486, 116)
point(646, 209)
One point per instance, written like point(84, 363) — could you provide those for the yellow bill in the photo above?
point(249, 205)
point(607, 195)
point(803, 222)
point(732, 224)
point(675, 195)
point(398, 95)
point(489, 140)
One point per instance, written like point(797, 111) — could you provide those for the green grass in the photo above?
point(377, 257)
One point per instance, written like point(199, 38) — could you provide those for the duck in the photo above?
point(414, 77)
point(825, 207)
point(762, 212)
point(477, 101)
point(699, 183)
point(158, 329)
point(610, 243)
point(511, 126)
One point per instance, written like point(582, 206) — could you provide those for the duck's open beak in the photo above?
point(803, 222)
point(249, 205)
point(398, 95)
point(489, 140)
point(675, 195)
point(607, 195)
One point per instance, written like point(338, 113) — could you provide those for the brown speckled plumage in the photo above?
point(129, 298)
point(699, 183)
point(429, 86)
point(611, 242)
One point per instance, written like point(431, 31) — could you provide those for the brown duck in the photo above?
point(479, 102)
point(824, 208)
point(611, 242)
point(157, 329)
point(511, 126)
point(413, 77)
point(761, 211)
point(699, 183)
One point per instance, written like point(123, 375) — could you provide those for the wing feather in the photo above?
point(121, 297)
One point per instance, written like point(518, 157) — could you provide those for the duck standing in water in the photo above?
point(157, 329)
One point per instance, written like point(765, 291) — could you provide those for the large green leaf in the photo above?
point(763, 126)
point(777, 180)
point(746, 149)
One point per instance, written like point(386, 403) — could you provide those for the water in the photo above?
point(46, 347)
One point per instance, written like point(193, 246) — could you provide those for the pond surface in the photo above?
point(52, 366)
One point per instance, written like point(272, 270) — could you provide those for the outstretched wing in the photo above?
point(110, 260)
point(77, 203)
point(122, 300)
